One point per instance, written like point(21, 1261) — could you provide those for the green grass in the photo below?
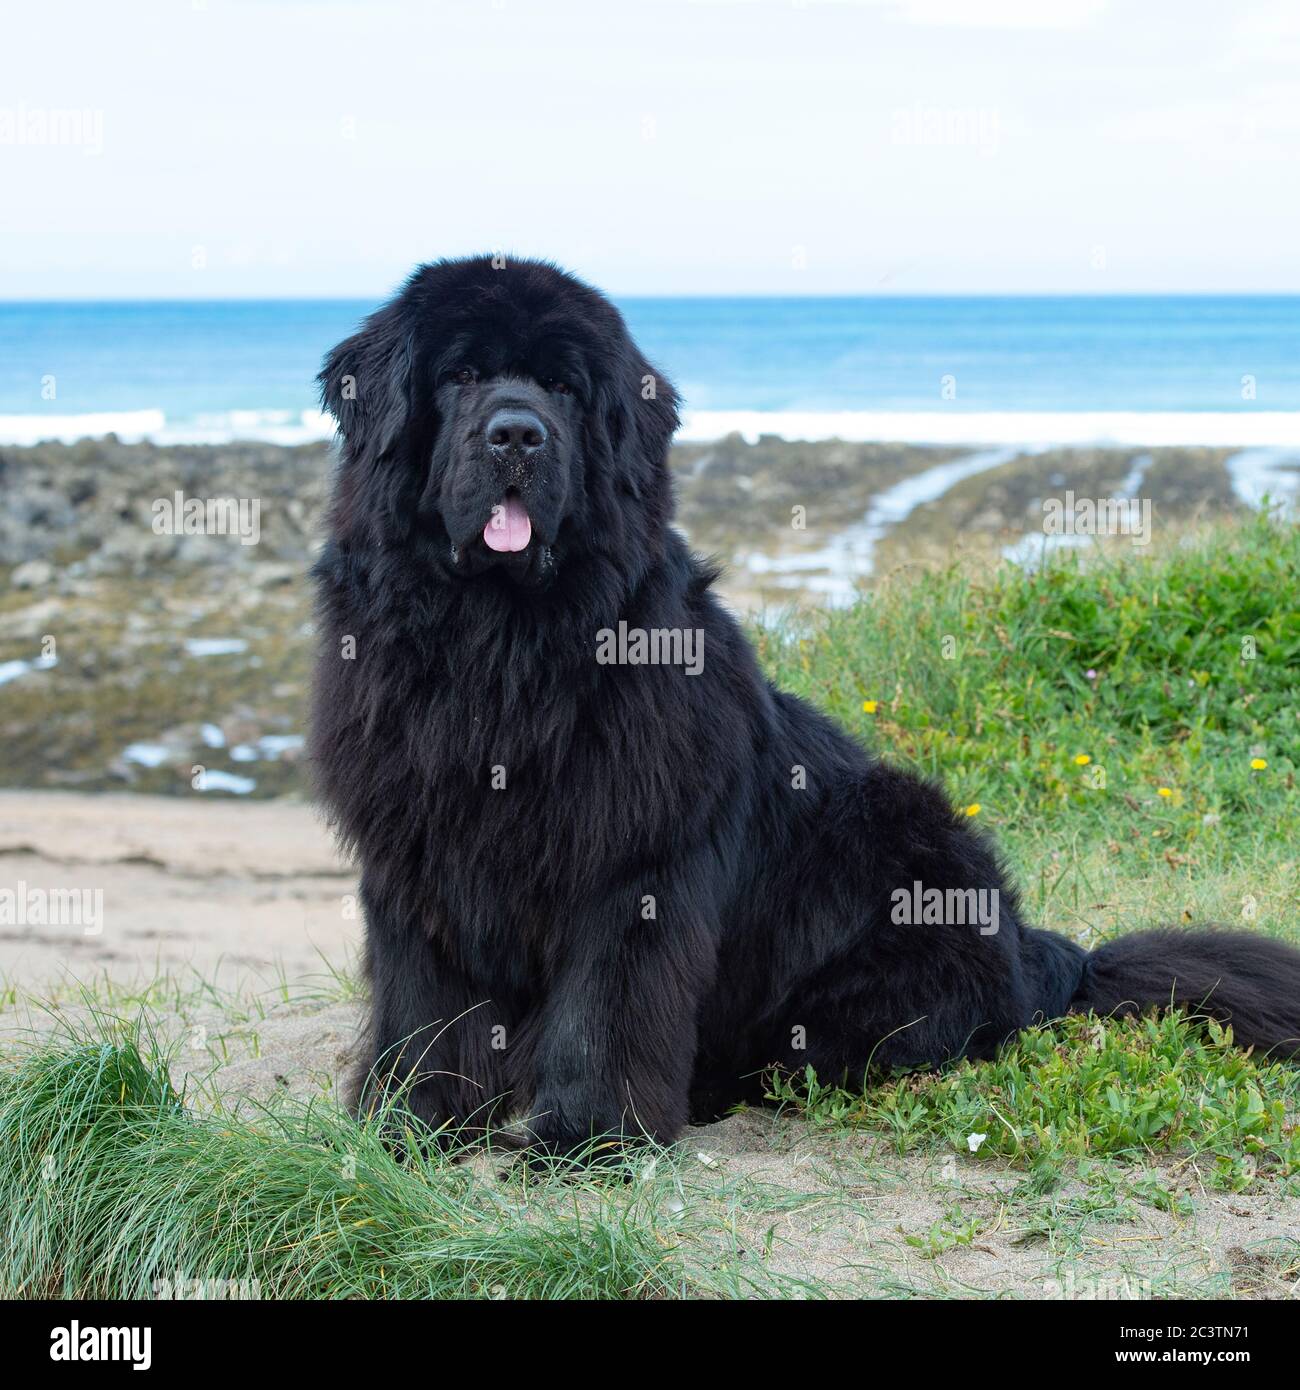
point(1000, 684)
point(1090, 1088)
point(111, 1185)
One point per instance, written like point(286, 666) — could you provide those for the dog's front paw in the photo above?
point(554, 1144)
point(604, 1161)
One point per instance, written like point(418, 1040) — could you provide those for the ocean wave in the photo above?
point(129, 425)
point(287, 427)
point(1148, 429)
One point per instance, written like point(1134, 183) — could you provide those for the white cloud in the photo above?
point(997, 14)
point(1269, 33)
point(1262, 125)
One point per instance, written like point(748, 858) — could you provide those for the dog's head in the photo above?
point(498, 421)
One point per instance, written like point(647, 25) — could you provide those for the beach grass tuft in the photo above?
point(112, 1186)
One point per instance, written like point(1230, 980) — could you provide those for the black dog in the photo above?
point(607, 895)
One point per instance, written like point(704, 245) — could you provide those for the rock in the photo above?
point(269, 575)
point(33, 623)
point(33, 574)
point(135, 550)
point(240, 730)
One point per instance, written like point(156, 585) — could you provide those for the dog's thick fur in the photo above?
point(607, 897)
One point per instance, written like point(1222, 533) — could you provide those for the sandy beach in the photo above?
point(227, 890)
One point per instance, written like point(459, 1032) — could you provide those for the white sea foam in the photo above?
point(1266, 472)
point(148, 754)
point(215, 780)
point(130, 426)
point(273, 745)
point(286, 427)
point(1148, 429)
point(215, 646)
point(269, 746)
point(11, 670)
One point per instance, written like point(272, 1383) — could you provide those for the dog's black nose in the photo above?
point(519, 431)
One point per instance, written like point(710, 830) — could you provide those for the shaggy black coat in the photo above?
point(608, 897)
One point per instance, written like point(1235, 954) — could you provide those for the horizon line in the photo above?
point(41, 300)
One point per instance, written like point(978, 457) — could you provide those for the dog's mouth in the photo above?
point(509, 529)
point(507, 544)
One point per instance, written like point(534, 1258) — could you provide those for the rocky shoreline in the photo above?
point(140, 652)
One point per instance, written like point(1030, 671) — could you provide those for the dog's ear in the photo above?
point(366, 383)
point(655, 418)
point(634, 423)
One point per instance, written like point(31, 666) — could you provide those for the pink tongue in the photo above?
point(509, 529)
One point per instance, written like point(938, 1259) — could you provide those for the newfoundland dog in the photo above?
point(611, 876)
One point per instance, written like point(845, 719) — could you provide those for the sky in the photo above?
point(218, 148)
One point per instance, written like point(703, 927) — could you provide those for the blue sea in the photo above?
point(1146, 370)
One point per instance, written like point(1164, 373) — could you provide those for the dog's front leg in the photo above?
point(616, 1041)
point(433, 1037)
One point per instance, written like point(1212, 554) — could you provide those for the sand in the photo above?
point(229, 889)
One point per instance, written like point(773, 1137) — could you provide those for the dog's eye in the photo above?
point(561, 388)
point(464, 376)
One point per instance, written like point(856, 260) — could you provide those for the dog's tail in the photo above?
point(1250, 982)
